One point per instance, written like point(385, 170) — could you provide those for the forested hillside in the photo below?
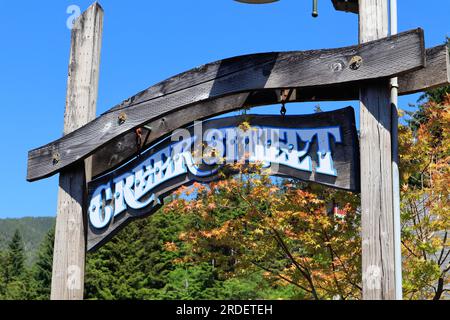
point(32, 230)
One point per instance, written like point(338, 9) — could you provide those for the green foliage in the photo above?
point(252, 224)
point(32, 230)
point(42, 269)
point(190, 282)
point(425, 173)
point(15, 258)
point(256, 286)
point(17, 282)
point(147, 260)
point(134, 265)
point(3, 267)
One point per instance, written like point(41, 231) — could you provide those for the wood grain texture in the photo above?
point(435, 74)
point(121, 149)
point(376, 168)
point(345, 161)
point(82, 87)
point(384, 58)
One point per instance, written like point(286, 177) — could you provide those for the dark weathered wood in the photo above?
point(377, 217)
point(435, 74)
point(345, 156)
point(82, 86)
point(346, 5)
point(384, 58)
point(121, 149)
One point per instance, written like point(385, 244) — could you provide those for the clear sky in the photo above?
point(145, 42)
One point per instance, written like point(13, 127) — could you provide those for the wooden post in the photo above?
point(82, 87)
point(376, 168)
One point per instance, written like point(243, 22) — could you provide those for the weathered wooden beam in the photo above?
point(121, 149)
point(82, 86)
point(377, 216)
point(435, 74)
point(385, 58)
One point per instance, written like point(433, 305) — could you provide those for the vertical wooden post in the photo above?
point(376, 167)
point(82, 87)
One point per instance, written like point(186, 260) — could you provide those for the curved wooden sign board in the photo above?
point(121, 149)
point(231, 84)
point(321, 148)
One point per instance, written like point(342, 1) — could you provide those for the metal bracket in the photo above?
point(346, 5)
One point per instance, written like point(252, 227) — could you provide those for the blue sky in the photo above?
point(145, 42)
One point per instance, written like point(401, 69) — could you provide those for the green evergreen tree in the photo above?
point(18, 282)
point(134, 264)
point(3, 265)
point(42, 269)
point(15, 258)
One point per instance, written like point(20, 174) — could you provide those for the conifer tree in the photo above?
point(15, 258)
point(3, 264)
point(42, 270)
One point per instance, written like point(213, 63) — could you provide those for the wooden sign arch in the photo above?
point(359, 72)
point(231, 84)
point(353, 73)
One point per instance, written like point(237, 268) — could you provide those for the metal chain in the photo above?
point(138, 139)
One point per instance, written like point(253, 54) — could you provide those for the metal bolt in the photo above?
point(122, 117)
point(355, 62)
point(56, 157)
point(337, 66)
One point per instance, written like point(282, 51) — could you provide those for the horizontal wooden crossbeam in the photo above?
point(122, 149)
point(230, 84)
point(435, 74)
